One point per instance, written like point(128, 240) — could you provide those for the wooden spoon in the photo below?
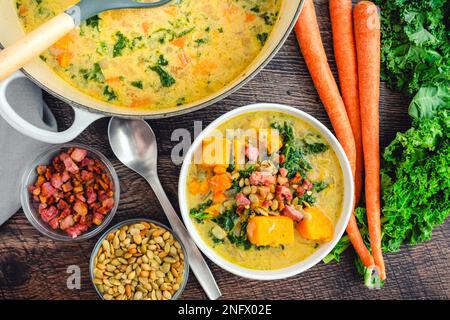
point(17, 55)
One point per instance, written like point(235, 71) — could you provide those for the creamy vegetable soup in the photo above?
point(267, 194)
point(157, 58)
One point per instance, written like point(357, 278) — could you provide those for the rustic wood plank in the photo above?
point(34, 267)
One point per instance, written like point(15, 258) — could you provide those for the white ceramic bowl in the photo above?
point(317, 256)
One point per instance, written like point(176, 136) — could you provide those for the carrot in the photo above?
point(219, 197)
point(65, 59)
point(249, 17)
point(367, 35)
point(204, 67)
point(310, 41)
point(171, 10)
point(220, 169)
point(23, 10)
point(179, 42)
point(345, 55)
point(146, 26)
point(184, 58)
point(113, 80)
point(64, 43)
point(140, 103)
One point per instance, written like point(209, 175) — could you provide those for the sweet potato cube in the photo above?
point(270, 230)
point(216, 151)
point(316, 225)
point(220, 182)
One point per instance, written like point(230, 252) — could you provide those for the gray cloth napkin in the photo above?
point(17, 150)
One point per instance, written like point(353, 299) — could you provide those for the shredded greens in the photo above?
point(199, 213)
point(294, 155)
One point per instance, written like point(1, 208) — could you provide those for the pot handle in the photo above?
point(82, 119)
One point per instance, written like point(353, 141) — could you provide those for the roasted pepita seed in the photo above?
point(140, 261)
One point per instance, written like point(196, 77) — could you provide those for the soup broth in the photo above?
point(156, 58)
point(302, 175)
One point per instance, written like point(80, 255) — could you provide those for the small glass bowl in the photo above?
point(30, 208)
point(133, 221)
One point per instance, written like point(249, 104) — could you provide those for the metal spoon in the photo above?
point(134, 144)
point(18, 54)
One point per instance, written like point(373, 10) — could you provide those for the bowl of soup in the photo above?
point(149, 63)
point(266, 191)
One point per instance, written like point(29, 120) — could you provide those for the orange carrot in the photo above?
point(65, 59)
point(367, 35)
point(179, 42)
point(23, 10)
point(345, 55)
point(64, 43)
point(219, 197)
point(204, 67)
point(146, 26)
point(249, 17)
point(310, 41)
point(171, 10)
point(184, 58)
point(142, 102)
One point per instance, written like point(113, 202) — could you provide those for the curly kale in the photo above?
point(292, 150)
point(199, 213)
point(415, 41)
point(415, 186)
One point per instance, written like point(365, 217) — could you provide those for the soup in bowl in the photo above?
point(266, 191)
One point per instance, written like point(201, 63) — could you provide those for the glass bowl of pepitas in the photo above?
point(70, 192)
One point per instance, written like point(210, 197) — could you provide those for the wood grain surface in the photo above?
point(35, 267)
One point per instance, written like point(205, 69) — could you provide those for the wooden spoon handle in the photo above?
point(17, 55)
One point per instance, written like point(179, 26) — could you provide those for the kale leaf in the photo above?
point(164, 76)
point(235, 227)
point(93, 22)
point(243, 174)
point(199, 213)
point(415, 186)
point(415, 43)
point(121, 43)
point(166, 79)
point(94, 74)
point(428, 101)
point(292, 150)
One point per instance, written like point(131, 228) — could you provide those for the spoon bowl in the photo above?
point(134, 144)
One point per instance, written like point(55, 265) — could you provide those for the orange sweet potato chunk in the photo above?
point(270, 230)
point(220, 182)
point(318, 228)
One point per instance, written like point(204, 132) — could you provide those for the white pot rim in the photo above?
point(340, 226)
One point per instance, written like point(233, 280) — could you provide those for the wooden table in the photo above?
point(35, 267)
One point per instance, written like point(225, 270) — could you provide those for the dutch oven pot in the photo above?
point(88, 109)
